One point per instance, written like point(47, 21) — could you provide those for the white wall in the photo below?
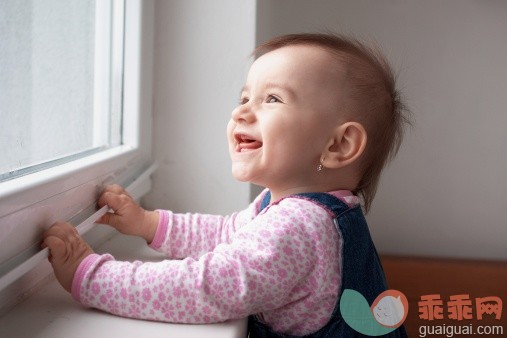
point(201, 57)
point(446, 193)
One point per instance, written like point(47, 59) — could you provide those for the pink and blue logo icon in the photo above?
point(388, 312)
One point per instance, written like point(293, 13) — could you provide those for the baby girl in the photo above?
point(318, 119)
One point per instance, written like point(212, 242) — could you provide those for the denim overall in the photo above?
point(361, 268)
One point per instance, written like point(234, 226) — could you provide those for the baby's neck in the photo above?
point(277, 195)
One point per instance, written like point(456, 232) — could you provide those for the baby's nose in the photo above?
point(243, 113)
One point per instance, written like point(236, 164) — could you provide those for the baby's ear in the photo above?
point(346, 145)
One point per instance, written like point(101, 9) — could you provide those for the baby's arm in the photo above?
point(233, 281)
point(177, 235)
point(192, 235)
point(269, 263)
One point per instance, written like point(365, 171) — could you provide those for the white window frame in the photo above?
point(108, 53)
point(30, 204)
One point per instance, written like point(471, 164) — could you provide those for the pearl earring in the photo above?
point(321, 166)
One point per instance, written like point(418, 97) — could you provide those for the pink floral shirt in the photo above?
point(282, 264)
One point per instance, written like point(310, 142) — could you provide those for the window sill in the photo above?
point(27, 268)
point(51, 311)
point(19, 192)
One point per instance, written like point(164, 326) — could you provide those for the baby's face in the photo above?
point(288, 109)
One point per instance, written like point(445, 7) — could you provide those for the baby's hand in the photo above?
point(128, 217)
point(66, 251)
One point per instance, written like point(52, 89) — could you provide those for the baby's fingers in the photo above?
point(55, 238)
point(108, 218)
point(61, 230)
point(114, 201)
point(57, 249)
point(114, 189)
point(66, 251)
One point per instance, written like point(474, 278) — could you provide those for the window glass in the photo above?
point(55, 82)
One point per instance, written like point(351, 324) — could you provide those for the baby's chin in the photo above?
point(240, 173)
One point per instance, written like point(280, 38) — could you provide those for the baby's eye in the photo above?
point(273, 99)
point(243, 100)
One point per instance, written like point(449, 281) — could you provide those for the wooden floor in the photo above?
point(416, 277)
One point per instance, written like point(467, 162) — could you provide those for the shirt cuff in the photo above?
point(81, 271)
point(159, 237)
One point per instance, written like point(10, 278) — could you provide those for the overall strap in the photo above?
point(265, 200)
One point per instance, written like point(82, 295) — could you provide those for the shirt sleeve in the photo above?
point(191, 234)
point(267, 264)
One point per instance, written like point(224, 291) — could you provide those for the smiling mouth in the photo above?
point(246, 143)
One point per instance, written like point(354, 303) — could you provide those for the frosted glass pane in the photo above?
point(47, 51)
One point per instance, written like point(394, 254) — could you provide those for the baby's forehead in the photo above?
point(302, 60)
point(311, 54)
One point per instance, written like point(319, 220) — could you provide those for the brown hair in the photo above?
point(375, 101)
